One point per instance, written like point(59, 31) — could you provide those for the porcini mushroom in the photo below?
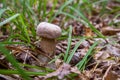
point(48, 32)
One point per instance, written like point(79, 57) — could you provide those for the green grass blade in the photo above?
point(82, 63)
point(53, 8)
point(33, 13)
point(61, 8)
point(25, 30)
point(36, 67)
point(9, 19)
point(7, 72)
point(44, 9)
point(69, 43)
point(12, 60)
point(39, 8)
point(73, 51)
point(12, 43)
point(87, 21)
point(71, 16)
point(57, 57)
point(103, 10)
point(2, 11)
point(18, 36)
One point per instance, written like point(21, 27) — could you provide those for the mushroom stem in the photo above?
point(48, 45)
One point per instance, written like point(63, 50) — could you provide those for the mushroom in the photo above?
point(48, 32)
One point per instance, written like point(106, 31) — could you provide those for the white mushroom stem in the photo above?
point(48, 45)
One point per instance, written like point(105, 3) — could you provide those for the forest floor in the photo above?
point(88, 48)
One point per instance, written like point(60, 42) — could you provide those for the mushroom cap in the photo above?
point(48, 30)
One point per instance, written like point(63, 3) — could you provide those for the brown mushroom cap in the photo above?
point(48, 30)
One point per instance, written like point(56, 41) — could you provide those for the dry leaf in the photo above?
point(62, 71)
point(109, 31)
point(88, 32)
point(110, 75)
point(58, 62)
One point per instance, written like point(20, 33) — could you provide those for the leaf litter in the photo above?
point(104, 64)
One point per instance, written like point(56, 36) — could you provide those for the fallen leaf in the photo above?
point(88, 32)
point(62, 71)
point(110, 75)
point(109, 31)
